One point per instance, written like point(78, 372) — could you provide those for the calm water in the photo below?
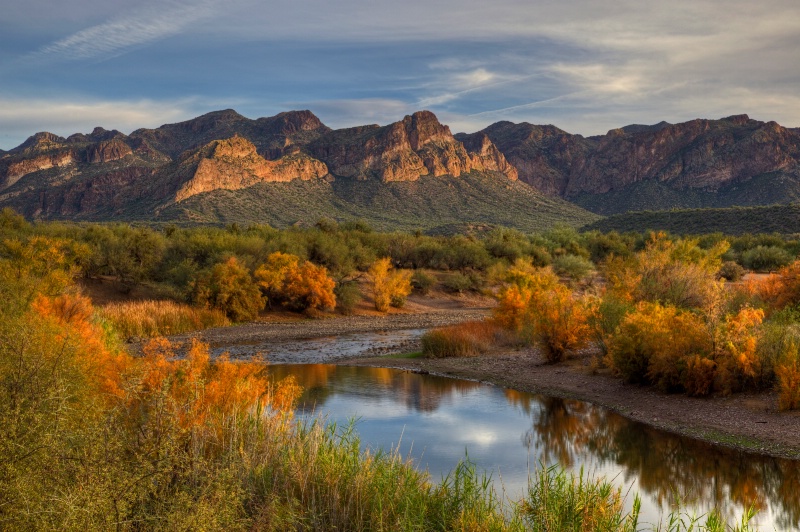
point(438, 420)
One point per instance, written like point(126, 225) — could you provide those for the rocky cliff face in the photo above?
point(701, 160)
point(416, 146)
point(273, 136)
point(109, 150)
point(234, 164)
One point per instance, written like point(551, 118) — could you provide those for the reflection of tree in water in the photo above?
point(320, 382)
point(571, 432)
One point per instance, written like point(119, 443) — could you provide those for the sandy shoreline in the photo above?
point(749, 422)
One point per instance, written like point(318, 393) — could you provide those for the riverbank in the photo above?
point(748, 421)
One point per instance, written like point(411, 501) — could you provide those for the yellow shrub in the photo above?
point(389, 287)
point(544, 312)
point(654, 343)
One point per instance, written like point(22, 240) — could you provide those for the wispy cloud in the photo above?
point(130, 29)
point(23, 117)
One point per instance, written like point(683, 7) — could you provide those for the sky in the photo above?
point(586, 66)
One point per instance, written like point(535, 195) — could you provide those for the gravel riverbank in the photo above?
point(750, 422)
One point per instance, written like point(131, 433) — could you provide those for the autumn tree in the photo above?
point(302, 286)
point(671, 272)
point(542, 311)
point(229, 287)
point(389, 286)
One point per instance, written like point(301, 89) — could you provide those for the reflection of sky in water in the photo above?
point(438, 421)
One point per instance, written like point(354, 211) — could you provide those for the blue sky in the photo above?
point(585, 66)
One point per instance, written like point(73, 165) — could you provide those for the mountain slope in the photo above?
point(701, 163)
point(223, 167)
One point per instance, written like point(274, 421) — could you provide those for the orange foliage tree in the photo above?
point(653, 343)
point(300, 285)
point(543, 311)
point(671, 272)
point(389, 287)
point(788, 373)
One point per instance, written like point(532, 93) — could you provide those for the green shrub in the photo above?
point(457, 282)
point(229, 287)
point(422, 282)
point(573, 266)
point(731, 271)
point(348, 296)
point(765, 258)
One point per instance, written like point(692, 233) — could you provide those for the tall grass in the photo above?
point(561, 501)
point(160, 318)
point(467, 339)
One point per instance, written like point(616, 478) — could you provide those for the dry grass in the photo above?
point(468, 339)
point(160, 318)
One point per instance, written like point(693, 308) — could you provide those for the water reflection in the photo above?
point(509, 432)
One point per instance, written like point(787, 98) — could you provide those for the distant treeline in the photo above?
point(782, 219)
point(173, 258)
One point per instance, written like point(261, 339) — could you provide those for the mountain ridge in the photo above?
point(106, 174)
point(154, 174)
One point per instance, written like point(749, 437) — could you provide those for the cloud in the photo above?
point(23, 117)
point(130, 29)
point(340, 113)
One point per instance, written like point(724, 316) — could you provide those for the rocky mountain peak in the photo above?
point(423, 127)
point(108, 150)
point(40, 142)
point(296, 121)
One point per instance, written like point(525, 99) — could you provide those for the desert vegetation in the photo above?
point(663, 316)
point(96, 438)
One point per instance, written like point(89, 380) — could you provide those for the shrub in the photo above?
point(228, 287)
point(348, 296)
point(731, 271)
point(422, 282)
point(605, 316)
point(572, 266)
point(390, 287)
point(646, 348)
point(457, 282)
point(300, 285)
point(765, 258)
point(543, 311)
point(669, 272)
point(559, 323)
point(788, 373)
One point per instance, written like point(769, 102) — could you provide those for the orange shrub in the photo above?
point(788, 373)
point(544, 312)
point(300, 285)
point(559, 323)
point(80, 333)
point(654, 342)
point(737, 355)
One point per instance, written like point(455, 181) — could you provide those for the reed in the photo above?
point(159, 318)
point(468, 339)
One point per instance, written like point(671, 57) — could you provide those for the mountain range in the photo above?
point(411, 174)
